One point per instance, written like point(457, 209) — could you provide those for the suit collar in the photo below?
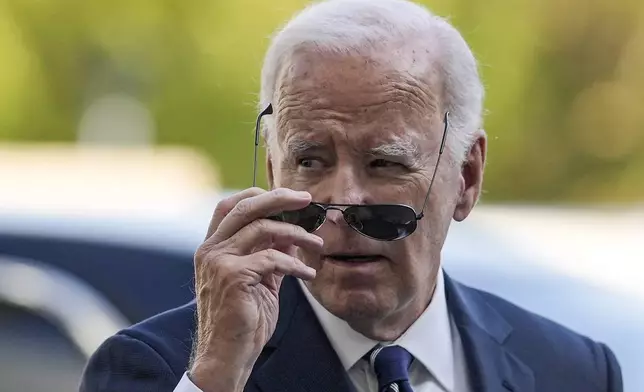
point(288, 304)
point(429, 339)
point(303, 359)
point(483, 332)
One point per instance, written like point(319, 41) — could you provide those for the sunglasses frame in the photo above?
point(332, 206)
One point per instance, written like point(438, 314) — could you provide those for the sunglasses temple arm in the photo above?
point(440, 154)
point(268, 110)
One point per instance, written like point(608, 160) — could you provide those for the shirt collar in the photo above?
point(349, 344)
point(428, 339)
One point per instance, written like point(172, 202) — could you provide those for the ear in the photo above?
point(471, 179)
point(269, 171)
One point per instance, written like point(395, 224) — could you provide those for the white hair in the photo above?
point(364, 26)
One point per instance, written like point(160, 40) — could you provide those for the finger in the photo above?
point(272, 261)
point(258, 207)
point(226, 205)
point(265, 233)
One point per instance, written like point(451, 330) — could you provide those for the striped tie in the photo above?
point(391, 365)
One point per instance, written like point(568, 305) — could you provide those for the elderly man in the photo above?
point(332, 280)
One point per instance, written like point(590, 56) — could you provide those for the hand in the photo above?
point(238, 272)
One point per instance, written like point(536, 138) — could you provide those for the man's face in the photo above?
point(353, 130)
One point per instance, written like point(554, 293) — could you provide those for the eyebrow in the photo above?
point(396, 149)
point(301, 146)
point(399, 148)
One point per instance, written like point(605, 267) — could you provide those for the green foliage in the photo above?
point(564, 79)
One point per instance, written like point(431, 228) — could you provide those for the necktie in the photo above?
point(391, 365)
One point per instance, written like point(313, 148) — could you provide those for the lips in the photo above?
point(353, 258)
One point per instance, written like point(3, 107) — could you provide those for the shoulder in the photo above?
point(152, 354)
point(551, 350)
point(169, 333)
point(155, 353)
point(532, 329)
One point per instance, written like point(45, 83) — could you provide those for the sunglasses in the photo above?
point(382, 222)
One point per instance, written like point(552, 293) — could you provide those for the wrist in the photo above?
point(216, 375)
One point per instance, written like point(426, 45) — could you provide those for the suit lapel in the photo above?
point(299, 357)
point(483, 332)
point(302, 357)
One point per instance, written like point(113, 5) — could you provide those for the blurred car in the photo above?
point(67, 282)
point(62, 293)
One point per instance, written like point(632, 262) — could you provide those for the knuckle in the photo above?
point(262, 227)
point(224, 207)
point(201, 253)
point(269, 255)
point(232, 244)
point(228, 204)
point(244, 207)
point(256, 190)
point(207, 255)
point(275, 254)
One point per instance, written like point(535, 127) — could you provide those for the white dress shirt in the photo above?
point(432, 339)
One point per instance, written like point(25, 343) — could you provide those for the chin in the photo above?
point(355, 304)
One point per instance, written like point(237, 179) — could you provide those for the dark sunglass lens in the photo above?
point(384, 222)
point(309, 218)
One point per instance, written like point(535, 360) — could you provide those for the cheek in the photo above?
point(284, 174)
point(412, 192)
point(419, 259)
point(298, 183)
point(286, 177)
point(413, 252)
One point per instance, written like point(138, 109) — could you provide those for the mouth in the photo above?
point(353, 259)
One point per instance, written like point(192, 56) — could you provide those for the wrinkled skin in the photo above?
point(356, 130)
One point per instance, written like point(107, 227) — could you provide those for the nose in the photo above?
point(347, 186)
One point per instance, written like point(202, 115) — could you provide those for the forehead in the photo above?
point(364, 98)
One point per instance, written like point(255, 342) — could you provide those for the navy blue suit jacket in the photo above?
point(507, 349)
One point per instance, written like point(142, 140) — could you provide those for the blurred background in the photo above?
point(123, 123)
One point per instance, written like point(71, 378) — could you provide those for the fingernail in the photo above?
point(303, 195)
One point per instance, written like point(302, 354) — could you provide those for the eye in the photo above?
point(378, 163)
point(309, 163)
